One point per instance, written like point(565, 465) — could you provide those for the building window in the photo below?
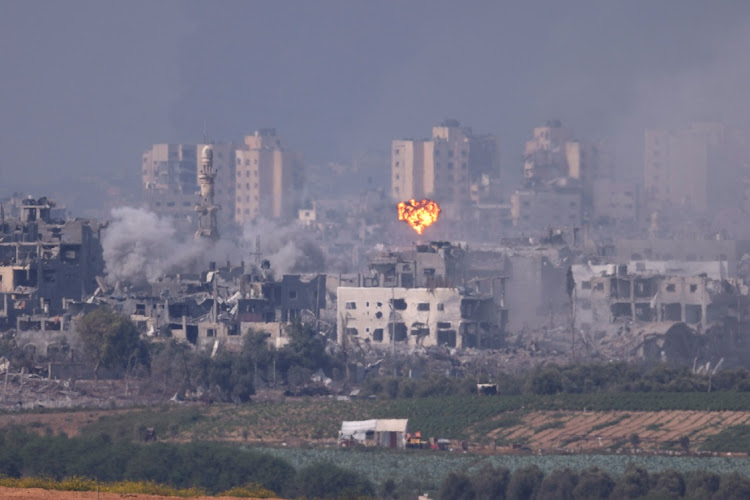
point(423, 306)
point(351, 305)
point(247, 162)
point(292, 294)
point(693, 288)
point(671, 288)
point(440, 307)
point(352, 331)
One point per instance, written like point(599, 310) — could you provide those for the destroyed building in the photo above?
point(46, 262)
point(219, 305)
point(696, 293)
point(423, 301)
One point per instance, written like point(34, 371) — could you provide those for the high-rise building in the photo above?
point(268, 178)
point(553, 154)
point(170, 179)
point(445, 166)
point(699, 168)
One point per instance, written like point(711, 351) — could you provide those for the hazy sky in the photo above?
point(87, 86)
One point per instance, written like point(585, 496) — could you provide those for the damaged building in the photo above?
point(220, 305)
point(696, 293)
point(422, 301)
point(45, 262)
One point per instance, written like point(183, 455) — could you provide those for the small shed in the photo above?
point(387, 433)
point(391, 433)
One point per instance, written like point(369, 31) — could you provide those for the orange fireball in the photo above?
point(419, 214)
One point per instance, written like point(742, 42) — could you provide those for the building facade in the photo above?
point(268, 178)
point(700, 167)
point(169, 174)
point(444, 167)
point(416, 317)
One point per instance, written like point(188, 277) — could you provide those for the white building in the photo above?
point(416, 316)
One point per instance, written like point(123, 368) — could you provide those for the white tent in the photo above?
point(389, 433)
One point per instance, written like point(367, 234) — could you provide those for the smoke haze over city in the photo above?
point(88, 85)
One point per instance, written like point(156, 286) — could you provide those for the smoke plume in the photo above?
point(140, 247)
point(286, 247)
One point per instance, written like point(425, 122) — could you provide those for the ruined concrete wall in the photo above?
point(420, 316)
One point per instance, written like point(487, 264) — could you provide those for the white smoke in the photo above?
point(139, 246)
point(285, 247)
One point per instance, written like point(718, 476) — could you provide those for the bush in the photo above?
point(326, 480)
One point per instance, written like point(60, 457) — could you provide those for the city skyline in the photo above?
point(86, 95)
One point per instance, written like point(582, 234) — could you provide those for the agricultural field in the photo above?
point(430, 467)
point(41, 494)
point(573, 430)
point(589, 422)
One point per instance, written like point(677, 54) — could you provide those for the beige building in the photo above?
point(701, 167)
point(169, 174)
point(445, 167)
point(552, 153)
point(267, 178)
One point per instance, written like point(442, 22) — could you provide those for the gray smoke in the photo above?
point(139, 247)
point(286, 247)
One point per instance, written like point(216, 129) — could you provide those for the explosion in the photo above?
point(419, 214)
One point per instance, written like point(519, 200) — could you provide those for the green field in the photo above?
point(431, 467)
point(467, 417)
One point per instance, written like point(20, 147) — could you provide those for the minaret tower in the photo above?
point(207, 226)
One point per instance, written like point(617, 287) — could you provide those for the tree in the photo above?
point(670, 484)
point(109, 339)
point(634, 483)
point(635, 440)
point(685, 443)
point(701, 484)
point(490, 483)
point(326, 480)
point(733, 486)
point(457, 486)
point(525, 483)
point(558, 485)
point(593, 484)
